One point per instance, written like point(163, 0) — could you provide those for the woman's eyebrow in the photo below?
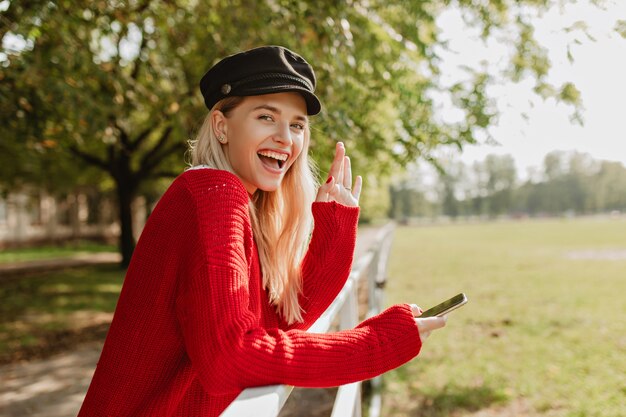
point(277, 110)
point(267, 107)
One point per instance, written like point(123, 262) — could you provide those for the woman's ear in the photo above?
point(218, 124)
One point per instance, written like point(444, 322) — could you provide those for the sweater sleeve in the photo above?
point(229, 347)
point(328, 261)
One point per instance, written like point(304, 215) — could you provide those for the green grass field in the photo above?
point(53, 251)
point(544, 332)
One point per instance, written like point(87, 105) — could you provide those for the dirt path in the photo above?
point(55, 387)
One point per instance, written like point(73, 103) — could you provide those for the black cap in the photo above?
point(264, 70)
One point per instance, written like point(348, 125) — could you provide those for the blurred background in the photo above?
point(491, 132)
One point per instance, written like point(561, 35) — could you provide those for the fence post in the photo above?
point(376, 284)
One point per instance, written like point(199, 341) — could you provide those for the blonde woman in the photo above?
point(241, 255)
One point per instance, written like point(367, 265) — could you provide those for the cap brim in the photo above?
point(313, 104)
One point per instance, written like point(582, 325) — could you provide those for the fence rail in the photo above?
point(268, 401)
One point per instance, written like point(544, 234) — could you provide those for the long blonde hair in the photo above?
point(281, 220)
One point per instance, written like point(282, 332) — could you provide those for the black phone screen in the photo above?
point(446, 306)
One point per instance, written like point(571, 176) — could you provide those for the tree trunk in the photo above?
point(127, 242)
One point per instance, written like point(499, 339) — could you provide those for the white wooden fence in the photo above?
point(267, 401)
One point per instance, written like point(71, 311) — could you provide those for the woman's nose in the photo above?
point(283, 134)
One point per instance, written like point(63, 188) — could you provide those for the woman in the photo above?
point(222, 284)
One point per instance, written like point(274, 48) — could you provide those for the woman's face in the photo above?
point(265, 135)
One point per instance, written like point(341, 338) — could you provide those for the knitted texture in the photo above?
point(193, 326)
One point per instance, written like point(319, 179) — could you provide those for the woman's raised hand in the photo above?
point(339, 185)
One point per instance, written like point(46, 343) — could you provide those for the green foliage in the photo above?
point(571, 183)
point(535, 326)
point(620, 28)
point(406, 201)
point(113, 84)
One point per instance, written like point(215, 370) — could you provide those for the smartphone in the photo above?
point(446, 307)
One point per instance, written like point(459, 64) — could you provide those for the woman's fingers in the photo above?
point(336, 167)
point(431, 323)
point(325, 189)
point(416, 310)
point(347, 173)
point(428, 324)
point(339, 185)
point(358, 184)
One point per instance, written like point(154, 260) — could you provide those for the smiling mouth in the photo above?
point(273, 160)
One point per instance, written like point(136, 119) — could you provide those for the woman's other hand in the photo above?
point(427, 324)
point(339, 186)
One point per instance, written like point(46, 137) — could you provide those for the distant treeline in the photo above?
point(567, 183)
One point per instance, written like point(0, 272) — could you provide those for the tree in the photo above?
point(567, 185)
point(407, 202)
point(113, 84)
point(450, 186)
point(501, 177)
point(610, 187)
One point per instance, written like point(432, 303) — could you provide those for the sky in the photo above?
point(598, 70)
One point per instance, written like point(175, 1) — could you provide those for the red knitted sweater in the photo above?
point(193, 325)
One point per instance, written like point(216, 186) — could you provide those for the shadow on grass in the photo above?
point(61, 291)
point(48, 343)
point(38, 313)
point(453, 400)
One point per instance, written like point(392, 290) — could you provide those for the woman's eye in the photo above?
point(266, 117)
point(298, 126)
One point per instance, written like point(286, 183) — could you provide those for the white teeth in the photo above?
point(275, 155)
